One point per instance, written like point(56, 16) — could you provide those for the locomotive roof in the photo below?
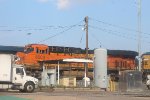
point(125, 53)
point(11, 49)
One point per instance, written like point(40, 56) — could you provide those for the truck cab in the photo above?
point(21, 81)
point(14, 76)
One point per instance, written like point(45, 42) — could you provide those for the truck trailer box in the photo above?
point(6, 68)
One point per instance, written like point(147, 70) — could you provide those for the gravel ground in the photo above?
point(78, 94)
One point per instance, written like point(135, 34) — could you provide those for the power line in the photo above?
point(114, 33)
point(56, 34)
point(62, 32)
point(110, 31)
point(117, 26)
point(81, 38)
point(100, 43)
point(33, 29)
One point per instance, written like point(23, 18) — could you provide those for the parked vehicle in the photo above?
point(148, 81)
point(14, 76)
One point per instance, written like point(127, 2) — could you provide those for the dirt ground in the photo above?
point(79, 95)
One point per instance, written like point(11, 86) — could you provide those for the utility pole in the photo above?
point(86, 64)
point(139, 34)
point(86, 28)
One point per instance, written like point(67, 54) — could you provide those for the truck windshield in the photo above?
point(19, 71)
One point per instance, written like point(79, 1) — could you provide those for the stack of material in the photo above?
point(68, 81)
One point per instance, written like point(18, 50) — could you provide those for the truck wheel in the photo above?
point(29, 87)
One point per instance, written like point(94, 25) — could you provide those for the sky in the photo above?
point(113, 24)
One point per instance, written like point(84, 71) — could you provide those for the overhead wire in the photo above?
point(67, 28)
point(114, 33)
point(81, 38)
point(31, 28)
point(109, 31)
point(59, 33)
point(101, 45)
point(117, 26)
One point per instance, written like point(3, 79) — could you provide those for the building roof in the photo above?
point(78, 60)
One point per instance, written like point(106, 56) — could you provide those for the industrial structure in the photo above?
point(146, 62)
point(145, 65)
point(100, 68)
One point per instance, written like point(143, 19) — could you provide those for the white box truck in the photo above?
point(14, 76)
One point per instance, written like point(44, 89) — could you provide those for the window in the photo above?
point(42, 51)
point(28, 50)
point(19, 71)
point(145, 63)
point(46, 51)
point(37, 50)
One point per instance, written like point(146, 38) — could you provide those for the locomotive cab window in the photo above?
point(37, 50)
point(28, 50)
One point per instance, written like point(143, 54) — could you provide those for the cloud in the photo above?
point(63, 4)
point(66, 4)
